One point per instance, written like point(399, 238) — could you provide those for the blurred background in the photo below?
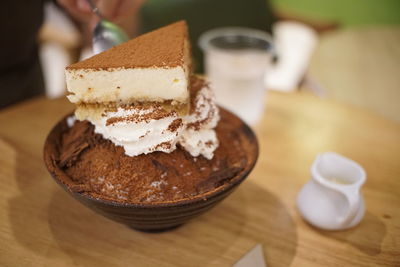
point(345, 50)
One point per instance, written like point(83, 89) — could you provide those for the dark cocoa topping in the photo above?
point(99, 168)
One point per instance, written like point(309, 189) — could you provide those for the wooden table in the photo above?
point(40, 225)
point(360, 66)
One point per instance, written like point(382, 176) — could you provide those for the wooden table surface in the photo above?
point(40, 225)
point(360, 66)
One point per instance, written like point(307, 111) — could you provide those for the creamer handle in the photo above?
point(353, 198)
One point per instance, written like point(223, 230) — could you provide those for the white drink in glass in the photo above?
point(237, 74)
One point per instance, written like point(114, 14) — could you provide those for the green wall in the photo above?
point(346, 12)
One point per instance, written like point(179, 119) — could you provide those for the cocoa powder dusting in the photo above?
point(164, 47)
point(157, 112)
point(175, 125)
point(106, 172)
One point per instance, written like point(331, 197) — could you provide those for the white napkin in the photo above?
point(253, 258)
point(294, 44)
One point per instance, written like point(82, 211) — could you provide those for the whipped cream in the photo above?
point(199, 137)
point(139, 135)
point(146, 129)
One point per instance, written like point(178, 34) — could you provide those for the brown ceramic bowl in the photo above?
point(155, 216)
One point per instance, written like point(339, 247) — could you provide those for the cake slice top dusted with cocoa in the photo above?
point(152, 67)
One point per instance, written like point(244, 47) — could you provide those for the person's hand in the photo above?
point(122, 12)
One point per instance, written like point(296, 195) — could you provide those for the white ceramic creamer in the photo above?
point(331, 200)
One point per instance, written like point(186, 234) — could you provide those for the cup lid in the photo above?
point(235, 38)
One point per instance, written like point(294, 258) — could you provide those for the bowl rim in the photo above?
point(235, 181)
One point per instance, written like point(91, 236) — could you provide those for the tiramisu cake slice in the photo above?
point(152, 67)
point(142, 96)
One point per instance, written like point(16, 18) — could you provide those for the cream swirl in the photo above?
point(146, 129)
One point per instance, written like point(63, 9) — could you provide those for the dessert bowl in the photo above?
point(155, 216)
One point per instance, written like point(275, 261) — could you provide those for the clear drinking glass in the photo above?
point(236, 61)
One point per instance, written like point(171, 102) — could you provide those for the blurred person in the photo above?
point(20, 72)
point(121, 12)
